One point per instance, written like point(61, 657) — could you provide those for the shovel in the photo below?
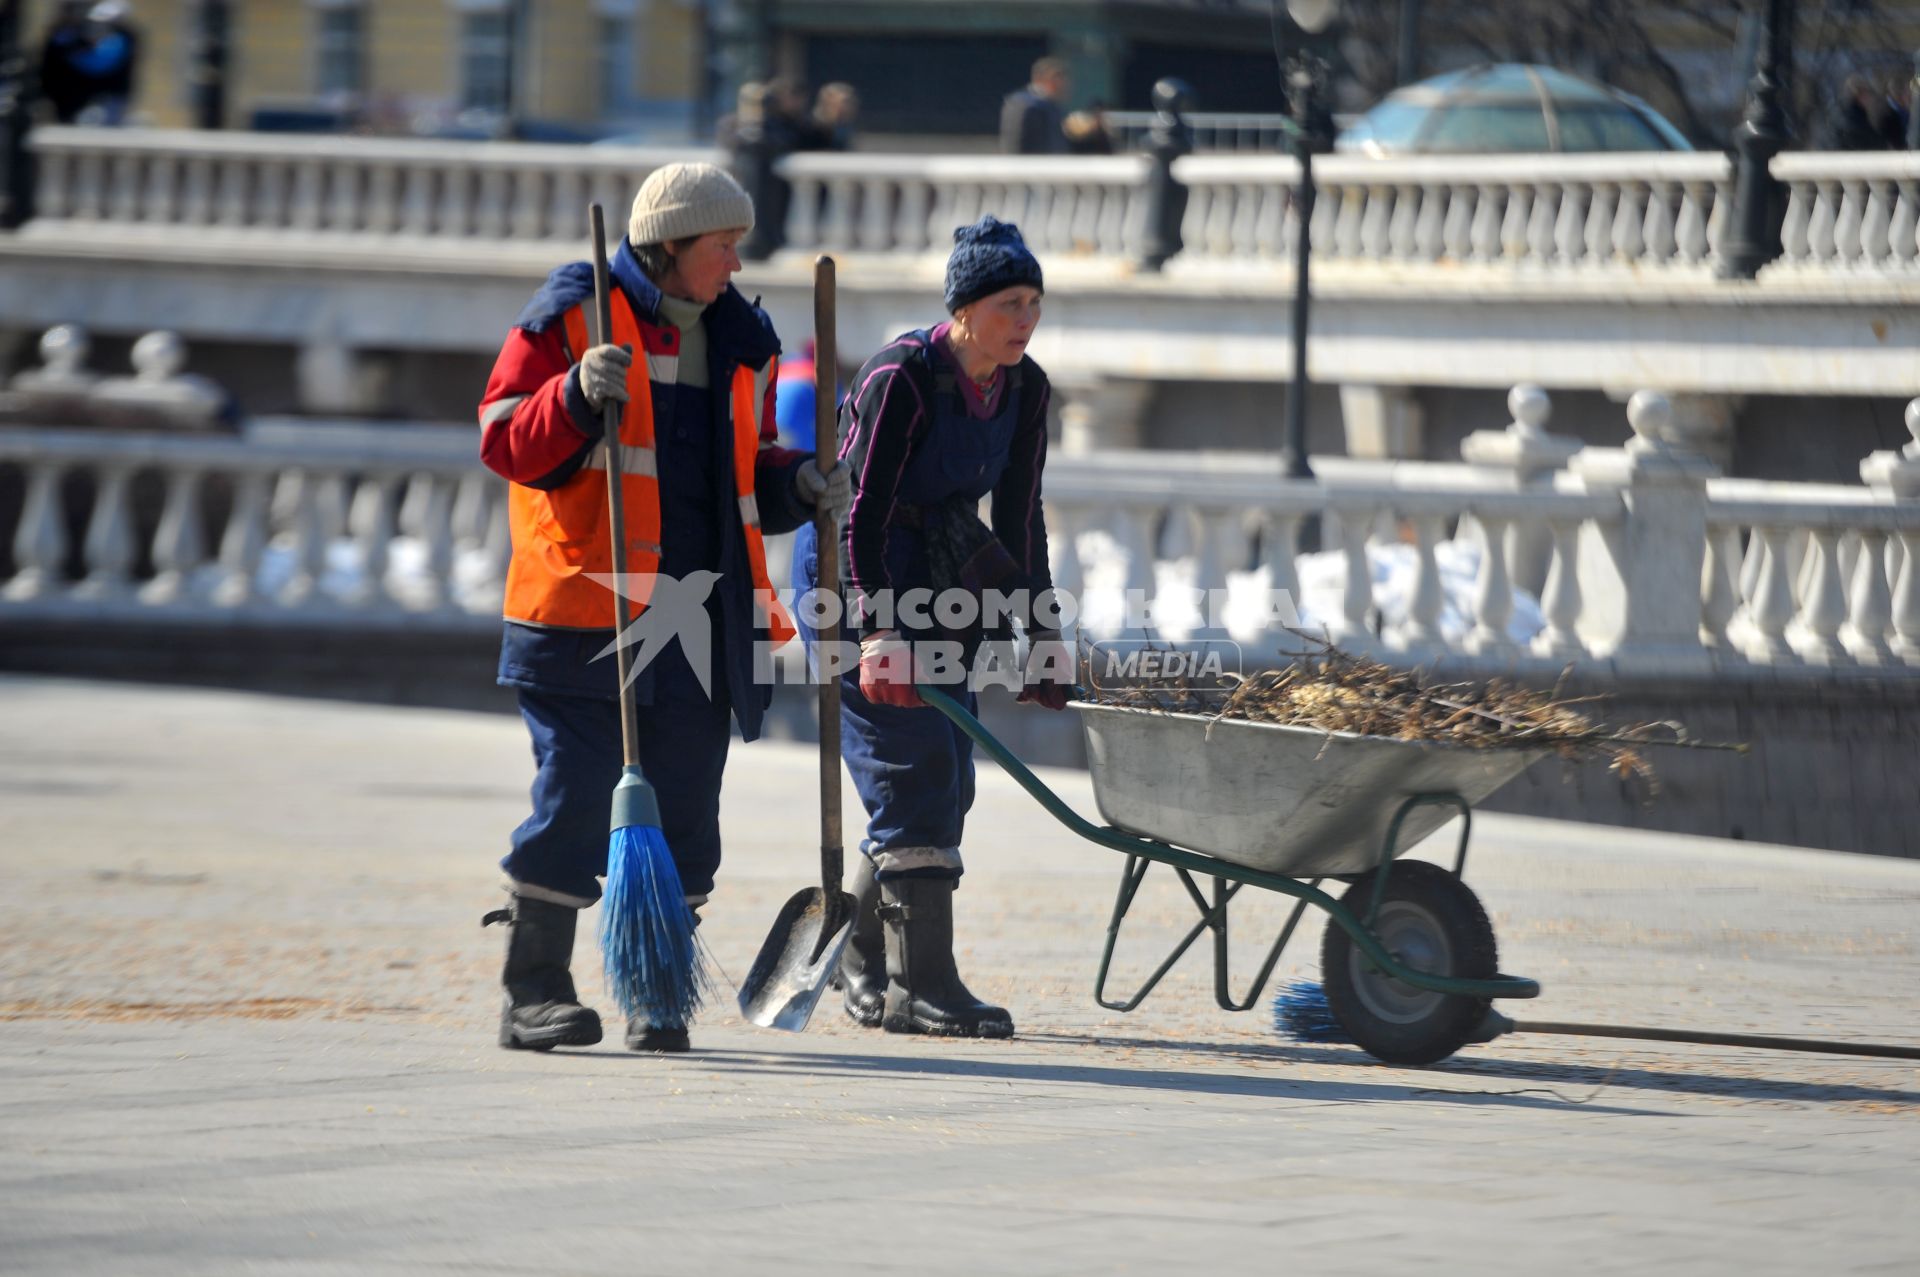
point(808, 937)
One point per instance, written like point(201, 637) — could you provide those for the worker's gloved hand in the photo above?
point(831, 492)
point(603, 374)
point(1049, 673)
point(886, 670)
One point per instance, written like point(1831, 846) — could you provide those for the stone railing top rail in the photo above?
point(1034, 169)
point(315, 449)
point(214, 144)
point(1841, 166)
point(1504, 170)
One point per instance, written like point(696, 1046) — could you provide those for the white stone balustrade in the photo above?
point(400, 526)
point(374, 188)
point(911, 203)
point(1560, 212)
point(311, 531)
point(1851, 211)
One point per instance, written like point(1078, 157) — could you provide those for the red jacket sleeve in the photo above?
point(536, 426)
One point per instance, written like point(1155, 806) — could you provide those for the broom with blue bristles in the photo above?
point(653, 962)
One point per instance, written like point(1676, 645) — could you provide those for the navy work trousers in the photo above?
point(684, 735)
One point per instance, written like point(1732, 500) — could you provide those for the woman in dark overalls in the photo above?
point(936, 421)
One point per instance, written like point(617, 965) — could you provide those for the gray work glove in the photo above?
point(603, 374)
point(832, 491)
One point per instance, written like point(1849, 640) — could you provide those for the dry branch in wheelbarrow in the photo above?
point(1330, 690)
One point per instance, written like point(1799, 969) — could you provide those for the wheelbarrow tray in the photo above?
point(1284, 800)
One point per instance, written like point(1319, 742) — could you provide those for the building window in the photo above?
point(617, 54)
point(340, 50)
point(486, 61)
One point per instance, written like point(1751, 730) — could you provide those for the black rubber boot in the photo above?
point(541, 1009)
point(924, 993)
point(654, 1039)
point(863, 965)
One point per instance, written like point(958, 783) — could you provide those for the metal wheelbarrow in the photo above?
point(1410, 966)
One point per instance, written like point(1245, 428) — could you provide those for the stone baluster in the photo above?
point(196, 191)
point(89, 179)
point(1500, 223)
point(1401, 227)
point(1796, 238)
point(1422, 629)
point(123, 188)
point(1323, 231)
point(1770, 604)
point(496, 551)
point(371, 521)
point(109, 543)
point(1492, 590)
point(179, 548)
point(380, 215)
point(1876, 225)
point(1627, 244)
point(529, 205)
point(1270, 226)
point(306, 542)
point(916, 200)
point(53, 185)
point(1848, 243)
point(1570, 230)
point(1358, 208)
point(270, 195)
point(1822, 246)
point(838, 230)
point(455, 208)
point(1814, 632)
point(1717, 222)
point(1690, 230)
point(1543, 222)
point(436, 530)
point(1657, 230)
point(1560, 601)
point(967, 208)
point(1281, 544)
point(1598, 231)
point(1205, 225)
point(309, 180)
point(1244, 232)
point(1065, 522)
point(231, 192)
point(803, 213)
point(1430, 228)
point(40, 538)
point(1222, 551)
point(157, 202)
point(876, 215)
point(1458, 231)
point(472, 497)
point(490, 204)
point(1869, 603)
point(1903, 227)
point(1111, 240)
point(1356, 595)
point(1720, 586)
point(1906, 600)
point(244, 541)
point(417, 201)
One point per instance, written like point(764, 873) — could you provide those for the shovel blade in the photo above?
point(796, 961)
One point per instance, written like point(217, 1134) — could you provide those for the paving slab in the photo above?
point(247, 1013)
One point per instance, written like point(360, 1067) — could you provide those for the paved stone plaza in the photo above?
point(247, 1012)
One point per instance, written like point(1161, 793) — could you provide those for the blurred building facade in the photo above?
point(553, 68)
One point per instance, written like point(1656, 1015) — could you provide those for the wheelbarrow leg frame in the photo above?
point(1228, 879)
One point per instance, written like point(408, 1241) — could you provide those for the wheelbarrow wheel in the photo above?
point(1432, 922)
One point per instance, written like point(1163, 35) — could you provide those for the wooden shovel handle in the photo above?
point(826, 419)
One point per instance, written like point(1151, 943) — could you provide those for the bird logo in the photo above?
point(672, 607)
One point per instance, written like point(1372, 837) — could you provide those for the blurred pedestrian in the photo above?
point(88, 62)
point(1860, 118)
point(835, 108)
point(1030, 119)
point(760, 135)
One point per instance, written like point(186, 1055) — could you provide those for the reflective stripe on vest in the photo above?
point(560, 536)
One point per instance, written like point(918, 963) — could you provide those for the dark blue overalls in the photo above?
point(912, 767)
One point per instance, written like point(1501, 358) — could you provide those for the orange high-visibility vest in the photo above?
point(560, 536)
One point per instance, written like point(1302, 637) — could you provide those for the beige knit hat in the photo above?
point(680, 201)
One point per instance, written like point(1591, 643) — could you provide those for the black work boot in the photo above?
point(541, 1008)
point(863, 964)
point(656, 1039)
point(924, 993)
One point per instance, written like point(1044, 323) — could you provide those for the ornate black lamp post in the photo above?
point(1301, 38)
point(207, 69)
point(1759, 201)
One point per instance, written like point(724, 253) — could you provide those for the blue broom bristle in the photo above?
point(653, 961)
point(1300, 1011)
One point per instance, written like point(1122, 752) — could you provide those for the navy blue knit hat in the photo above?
point(987, 257)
